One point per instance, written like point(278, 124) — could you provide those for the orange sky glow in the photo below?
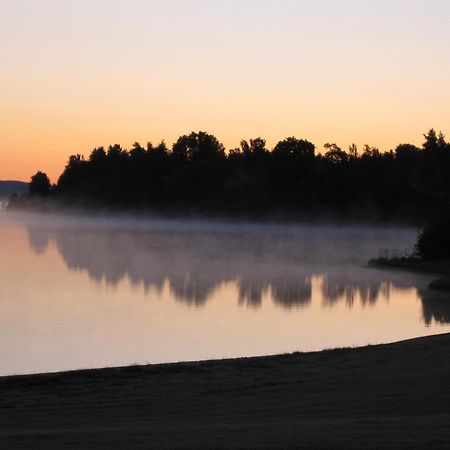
point(77, 75)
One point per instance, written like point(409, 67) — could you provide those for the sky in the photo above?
point(80, 74)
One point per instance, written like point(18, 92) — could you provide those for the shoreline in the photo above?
point(382, 396)
point(208, 362)
point(438, 267)
point(212, 361)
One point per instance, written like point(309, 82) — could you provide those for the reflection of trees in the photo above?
point(191, 290)
point(39, 240)
point(369, 292)
point(291, 293)
point(285, 292)
point(435, 306)
point(251, 292)
point(193, 265)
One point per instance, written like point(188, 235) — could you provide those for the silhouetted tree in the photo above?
point(434, 170)
point(432, 143)
point(197, 174)
point(255, 148)
point(434, 241)
point(353, 151)
point(335, 155)
point(197, 171)
point(98, 157)
point(370, 152)
point(40, 184)
point(293, 170)
point(294, 149)
point(72, 181)
point(197, 146)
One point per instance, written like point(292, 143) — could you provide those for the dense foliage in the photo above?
point(434, 241)
point(39, 184)
point(197, 174)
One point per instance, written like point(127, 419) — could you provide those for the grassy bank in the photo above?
point(379, 397)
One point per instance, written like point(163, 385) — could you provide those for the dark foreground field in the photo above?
point(389, 396)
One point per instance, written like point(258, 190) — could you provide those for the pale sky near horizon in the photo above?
point(79, 74)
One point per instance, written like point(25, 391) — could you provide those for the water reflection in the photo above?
point(39, 240)
point(196, 264)
point(369, 292)
point(435, 307)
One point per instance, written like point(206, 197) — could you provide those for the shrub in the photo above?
point(434, 241)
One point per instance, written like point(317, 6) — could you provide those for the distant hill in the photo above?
point(10, 187)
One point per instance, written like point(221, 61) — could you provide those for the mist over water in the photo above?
point(91, 292)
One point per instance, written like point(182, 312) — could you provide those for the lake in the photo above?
point(84, 292)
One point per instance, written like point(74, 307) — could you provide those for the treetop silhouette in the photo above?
point(197, 174)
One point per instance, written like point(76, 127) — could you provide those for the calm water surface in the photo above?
point(80, 293)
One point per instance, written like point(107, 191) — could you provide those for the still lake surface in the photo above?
point(83, 292)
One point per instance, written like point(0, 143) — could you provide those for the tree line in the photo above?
point(198, 175)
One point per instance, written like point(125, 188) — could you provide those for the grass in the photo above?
point(379, 397)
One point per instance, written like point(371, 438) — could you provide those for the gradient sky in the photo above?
point(80, 74)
